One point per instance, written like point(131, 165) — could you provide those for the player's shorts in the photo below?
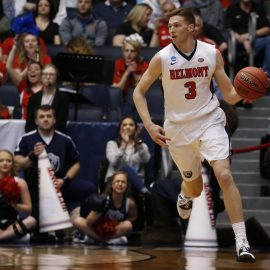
point(200, 139)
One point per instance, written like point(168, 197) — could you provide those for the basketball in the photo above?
point(251, 83)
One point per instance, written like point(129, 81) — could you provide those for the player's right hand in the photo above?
point(157, 134)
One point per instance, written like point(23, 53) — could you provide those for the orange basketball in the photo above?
point(251, 83)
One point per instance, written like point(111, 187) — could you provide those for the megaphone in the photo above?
point(53, 214)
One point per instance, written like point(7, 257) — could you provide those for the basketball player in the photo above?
point(194, 123)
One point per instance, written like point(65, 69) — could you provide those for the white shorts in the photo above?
point(192, 142)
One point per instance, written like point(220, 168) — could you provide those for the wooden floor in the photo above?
point(81, 257)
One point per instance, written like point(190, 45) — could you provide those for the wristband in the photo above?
point(32, 156)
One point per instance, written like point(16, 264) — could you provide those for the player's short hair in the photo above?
point(186, 13)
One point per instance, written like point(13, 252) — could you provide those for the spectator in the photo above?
point(211, 10)
point(83, 24)
point(28, 49)
point(61, 150)
point(208, 33)
point(237, 17)
point(135, 23)
point(80, 45)
point(110, 220)
point(50, 95)
point(128, 153)
point(11, 226)
point(162, 34)
point(49, 30)
point(113, 12)
point(9, 41)
point(4, 21)
point(129, 69)
point(157, 13)
point(27, 84)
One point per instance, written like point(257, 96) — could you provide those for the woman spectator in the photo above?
point(50, 95)
point(27, 84)
point(111, 220)
point(27, 50)
point(13, 201)
point(44, 21)
point(129, 69)
point(136, 23)
point(128, 153)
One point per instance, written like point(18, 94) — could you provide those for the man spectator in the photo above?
point(237, 17)
point(61, 150)
point(113, 12)
point(83, 24)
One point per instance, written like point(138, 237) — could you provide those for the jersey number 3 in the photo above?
point(191, 86)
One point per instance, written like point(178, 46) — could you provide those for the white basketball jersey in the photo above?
point(186, 82)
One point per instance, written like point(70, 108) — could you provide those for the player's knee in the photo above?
point(225, 179)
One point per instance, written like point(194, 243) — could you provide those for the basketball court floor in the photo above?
point(82, 257)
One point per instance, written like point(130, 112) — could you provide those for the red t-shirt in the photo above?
point(3, 71)
point(163, 34)
point(25, 96)
point(120, 68)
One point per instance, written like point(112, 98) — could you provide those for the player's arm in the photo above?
point(224, 82)
point(150, 75)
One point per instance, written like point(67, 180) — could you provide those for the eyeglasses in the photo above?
point(49, 74)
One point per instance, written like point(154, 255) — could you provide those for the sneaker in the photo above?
point(184, 207)
point(243, 253)
point(118, 241)
point(78, 237)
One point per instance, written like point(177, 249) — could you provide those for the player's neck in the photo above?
point(187, 46)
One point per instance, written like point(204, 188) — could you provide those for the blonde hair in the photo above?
point(12, 172)
point(136, 14)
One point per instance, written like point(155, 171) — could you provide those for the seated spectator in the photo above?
point(211, 10)
point(208, 33)
point(27, 84)
point(49, 30)
point(237, 17)
point(113, 13)
point(162, 34)
point(83, 24)
point(80, 45)
point(135, 23)
point(129, 154)
point(109, 220)
point(129, 69)
point(11, 205)
point(9, 41)
point(51, 96)
point(28, 50)
point(157, 13)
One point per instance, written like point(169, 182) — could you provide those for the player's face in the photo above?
point(119, 183)
point(6, 163)
point(128, 126)
point(179, 29)
point(45, 120)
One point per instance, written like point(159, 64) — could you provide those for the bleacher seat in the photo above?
point(9, 95)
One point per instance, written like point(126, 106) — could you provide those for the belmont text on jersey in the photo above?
point(187, 73)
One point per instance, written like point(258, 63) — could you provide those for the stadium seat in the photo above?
point(9, 95)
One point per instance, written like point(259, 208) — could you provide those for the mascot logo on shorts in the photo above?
point(187, 174)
